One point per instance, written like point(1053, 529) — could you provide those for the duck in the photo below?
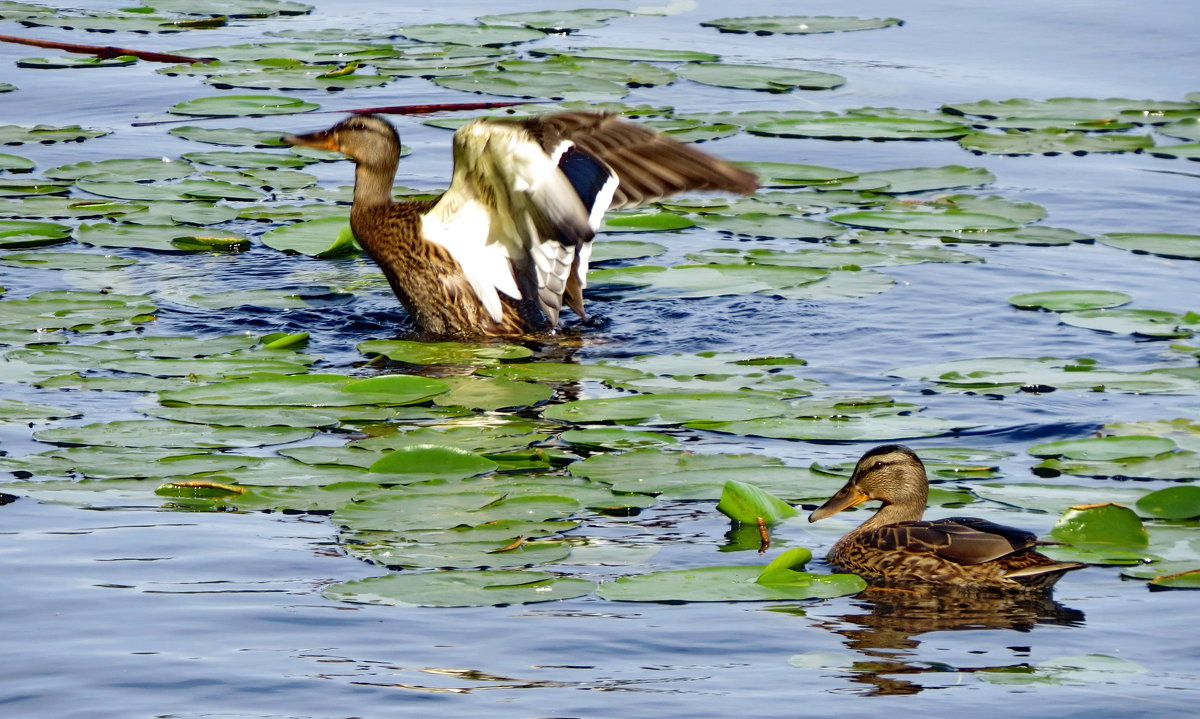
point(896, 548)
point(502, 250)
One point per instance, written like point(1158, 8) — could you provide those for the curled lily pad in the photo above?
point(798, 24)
point(242, 105)
point(1186, 247)
point(748, 504)
point(1068, 300)
point(325, 238)
point(759, 77)
point(459, 588)
point(15, 233)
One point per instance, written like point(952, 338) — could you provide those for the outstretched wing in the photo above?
point(964, 540)
point(527, 196)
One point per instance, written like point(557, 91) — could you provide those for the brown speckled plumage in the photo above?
point(896, 548)
point(507, 245)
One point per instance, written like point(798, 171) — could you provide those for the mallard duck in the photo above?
point(508, 243)
point(894, 547)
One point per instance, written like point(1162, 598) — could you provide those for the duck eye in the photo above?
point(877, 466)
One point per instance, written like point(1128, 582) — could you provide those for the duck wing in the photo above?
point(527, 197)
point(963, 540)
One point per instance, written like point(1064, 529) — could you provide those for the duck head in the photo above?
point(366, 139)
point(892, 474)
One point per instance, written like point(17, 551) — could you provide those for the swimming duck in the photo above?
point(508, 243)
point(894, 547)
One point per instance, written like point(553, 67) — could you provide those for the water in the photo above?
point(138, 612)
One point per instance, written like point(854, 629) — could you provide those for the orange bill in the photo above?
point(845, 498)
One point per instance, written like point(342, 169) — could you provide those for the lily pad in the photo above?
point(726, 584)
point(237, 137)
point(664, 408)
point(706, 280)
point(798, 24)
point(1186, 247)
point(158, 433)
point(760, 224)
point(1185, 151)
point(635, 54)
point(925, 221)
point(554, 86)
point(861, 128)
point(786, 174)
point(1052, 141)
point(454, 353)
point(555, 21)
point(1106, 524)
point(492, 393)
point(159, 238)
point(459, 588)
point(139, 170)
point(463, 34)
point(1182, 502)
point(758, 77)
point(748, 504)
point(17, 233)
point(1078, 108)
point(46, 134)
point(429, 460)
point(843, 429)
point(15, 163)
point(1066, 671)
point(312, 390)
point(325, 238)
point(182, 190)
point(922, 179)
point(608, 250)
point(242, 105)
point(1144, 323)
point(1069, 300)
point(1104, 448)
point(79, 311)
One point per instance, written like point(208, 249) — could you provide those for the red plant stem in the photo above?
point(104, 51)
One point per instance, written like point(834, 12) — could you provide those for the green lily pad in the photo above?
point(922, 179)
point(1186, 129)
point(845, 429)
point(706, 280)
point(237, 137)
point(459, 588)
point(313, 390)
point(759, 224)
point(672, 408)
point(1101, 524)
point(1011, 374)
point(77, 311)
point(608, 250)
point(786, 174)
point(1182, 502)
point(462, 34)
point(297, 76)
point(46, 134)
point(1186, 247)
point(74, 62)
point(275, 299)
point(555, 21)
point(1052, 141)
point(1104, 448)
point(1145, 323)
point(64, 260)
point(1078, 108)
point(635, 54)
point(230, 8)
point(15, 163)
point(430, 460)
point(322, 52)
point(159, 238)
point(758, 77)
point(32, 187)
point(1069, 300)
point(183, 190)
point(325, 238)
point(1185, 151)
point(644, 221)
point(408, 511)
point(248, 160)
point(748, 504)
point(861, 128)
point(633, 74)
point(492, 393)
point(157, 433)
point(554, 86)
point(798, 24)
point(1066, 671)
point(560, 372)
point(616, 438)
point(242, 105)
point(19, 233)
point(12, 409)
point(926, 221)
point(138, 170)
point(726, 584)
point(1032, 235)
point(451, 555)
point(455, 353)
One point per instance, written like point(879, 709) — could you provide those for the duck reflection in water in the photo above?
point(959, 573)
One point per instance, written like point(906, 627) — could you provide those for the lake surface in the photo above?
point(119, 608)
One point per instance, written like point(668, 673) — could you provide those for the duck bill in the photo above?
point(845, 498)
point(323, 140)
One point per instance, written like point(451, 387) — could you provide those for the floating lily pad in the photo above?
point(758, 77)
point(1109, 523)
point(845, 429)
point(554, 86)
point(1068, 300)
point(1011, 374)
point(238, 137)
point(70, 62)
point(242, 105)
point(46, 134)
point(230, 8)
point(925, 221)
point(136, 22)
point(922, 179)
point(608, 250)
point(760, 224)
point(15, 163)
point(1186, 247)
point(613, 438)
point(462, 34)
point(139, 170)
point(15, 234)
point(1182, 502)
point(429, 460)
point(633, 74)
point(313, 390)
point(1032, 235)
point(706, 280)
point(1145, 323)
point(727, 584)
point(325, 238)
point(672, 408)
point(1066, 671)
point(64, 260)
point(182, 190)
point(1052, 141)
point(251, 160)
point(1104, 448)
point(458, 353)
point(459, 588)
point(635, 54)
point(786, 174)
point(159, 238)
point(555, 21)
point(644, 221)
point(1078, 108)
point(158, 433)
point(12, 409)
point(560, 372)
point(1186, 151)
point(78, 311)
point(861, 128)
point(798, 24)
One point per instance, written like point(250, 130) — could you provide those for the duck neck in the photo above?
point(373, 183)
point(893, 513)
